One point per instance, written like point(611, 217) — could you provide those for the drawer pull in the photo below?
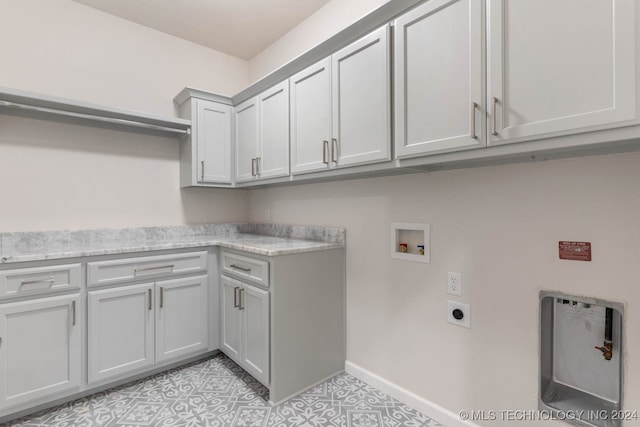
point(237, 267)
point(150, 307)
point(325, 149)
point(73, 313)
point(153, 268)
point(161, 297)
point(494, 103)
point(235, 297)
point(241, 299)
point(473, 120)
point(33, 282)
point(334, 150)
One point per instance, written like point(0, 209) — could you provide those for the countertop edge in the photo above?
point(221, 242)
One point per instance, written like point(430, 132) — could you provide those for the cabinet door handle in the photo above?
point(473, 120)
point(258, 160)
point(73, 313)
point(161, 297)
point(150, 307)
point(334, 150)
point(241, 299)
point(253, 167)
point(237, 267)
point(33, 282)
point(235, 297)
point(202, 170)
point(494, 104)
point(325, 149)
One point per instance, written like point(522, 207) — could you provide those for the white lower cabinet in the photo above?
point(245, 327)
point(121, 331)
point(181, 317)
point(134, 327)
point(40, 350)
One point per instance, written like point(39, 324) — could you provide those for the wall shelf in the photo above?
point(28, 104)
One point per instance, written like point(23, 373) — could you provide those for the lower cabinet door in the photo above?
point(230, 319)
point(254, 305)
point(40, 351)
point(181, 317)
point(121, 331)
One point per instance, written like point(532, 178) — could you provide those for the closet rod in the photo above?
point(102, 119)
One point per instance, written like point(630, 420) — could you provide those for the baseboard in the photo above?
point(412, 400)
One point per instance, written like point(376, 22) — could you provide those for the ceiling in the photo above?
point(241, 28)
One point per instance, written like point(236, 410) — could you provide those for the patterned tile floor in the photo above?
point(216, 392)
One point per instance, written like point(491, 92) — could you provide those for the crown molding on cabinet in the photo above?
point(377, 18)
point(189, 92)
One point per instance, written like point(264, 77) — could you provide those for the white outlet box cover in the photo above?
point(416, 234)
point(465, 322)
point(454, 284)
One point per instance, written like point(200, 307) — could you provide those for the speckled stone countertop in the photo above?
point(263, 239)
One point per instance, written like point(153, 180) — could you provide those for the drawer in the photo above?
point(29, 281)
point(242, 267)
point(128, 269)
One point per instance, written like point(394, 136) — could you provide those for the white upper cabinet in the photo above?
point(246, 123)
point(439, 78)
point(559, 66)
point(273, 143)
point(262, 135)
point(362, 101)
point(213, 134)
point(311, 118)
point(205, 154)
point(340, 107)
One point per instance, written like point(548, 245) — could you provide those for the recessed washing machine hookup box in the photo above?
point(581, 363)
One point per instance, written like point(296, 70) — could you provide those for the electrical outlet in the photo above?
point(459, 314)
point(454, 284)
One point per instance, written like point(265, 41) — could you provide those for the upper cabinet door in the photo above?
point(311, 118)
point(273, 144)
point(246, 122)
point(213, 137)
point(439, 78)
point(558, 66)
point(362, 101)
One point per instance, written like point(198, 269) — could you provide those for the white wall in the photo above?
point(499, 227)
point(55, 176)
point(332, 18)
